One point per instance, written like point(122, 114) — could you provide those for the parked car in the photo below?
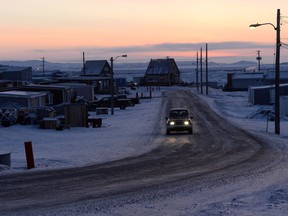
point(179, 119)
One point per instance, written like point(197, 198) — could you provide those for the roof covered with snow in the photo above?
point(248, 76)
point(162, 66)
point(96, 68)
point(23, 94)
point(5, 68)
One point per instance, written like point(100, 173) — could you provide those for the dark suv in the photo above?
point(179, 119)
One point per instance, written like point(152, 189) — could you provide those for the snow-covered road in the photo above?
point(259, 189)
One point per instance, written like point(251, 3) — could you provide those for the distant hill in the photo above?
point(244, 63)
point(76, 67)
point(37, 65)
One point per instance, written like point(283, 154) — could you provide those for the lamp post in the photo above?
point(112, 82)
point(277, 69)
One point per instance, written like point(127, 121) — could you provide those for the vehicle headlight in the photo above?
point(186, 122)
point(172, 123)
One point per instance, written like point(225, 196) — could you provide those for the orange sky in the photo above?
point(60, 30)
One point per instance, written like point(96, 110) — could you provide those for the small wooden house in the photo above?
point(96, 73)
point(100, 68)
point(162, 72)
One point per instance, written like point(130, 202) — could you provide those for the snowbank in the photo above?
point(124, 134)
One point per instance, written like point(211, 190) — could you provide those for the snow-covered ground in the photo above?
point(120, 136)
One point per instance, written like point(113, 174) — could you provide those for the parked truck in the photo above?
point(121, 101)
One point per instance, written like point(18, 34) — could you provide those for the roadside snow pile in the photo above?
point(263, 113)
point(279, 196)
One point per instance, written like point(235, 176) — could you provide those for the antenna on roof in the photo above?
point(258, 58)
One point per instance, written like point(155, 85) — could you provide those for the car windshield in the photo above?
point(178, 114)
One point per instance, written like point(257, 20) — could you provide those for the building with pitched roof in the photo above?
point(16, 75)
point(162, 72)
point(99, 68)
point(96, 73)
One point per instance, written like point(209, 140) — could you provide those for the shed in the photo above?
point(55, 94)
point(265, 95)
point(162, 72)
point(24, 98)
point(284, 106)
point(260, 95)
point(242, 81)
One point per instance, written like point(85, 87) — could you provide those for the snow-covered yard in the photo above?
point(121, 135)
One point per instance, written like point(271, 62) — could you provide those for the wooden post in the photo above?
point(201, 72)
point(29, 155)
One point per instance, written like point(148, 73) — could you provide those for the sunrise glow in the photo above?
point(62, 30)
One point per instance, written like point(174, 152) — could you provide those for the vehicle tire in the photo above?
point(191, 131)
point(168, 132)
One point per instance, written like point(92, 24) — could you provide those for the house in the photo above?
point(18, 75)
point(162, 72)
point(99, 68)
point(21, 99)
point(96, 73)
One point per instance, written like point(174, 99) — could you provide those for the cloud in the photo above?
point(141, 52)
point(184, 47)
point(173, 47)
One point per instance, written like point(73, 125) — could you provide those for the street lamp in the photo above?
point(112, 82)
point(277, 69)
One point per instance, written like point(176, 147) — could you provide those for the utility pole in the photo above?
point(201, 72)
point(112, 82)
point(112, 85)
point(258, 58)
point(43, 68)
point(84, 69)
point(197, 73)
point(277, 69)
point(206, 69)
point(277, 76)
